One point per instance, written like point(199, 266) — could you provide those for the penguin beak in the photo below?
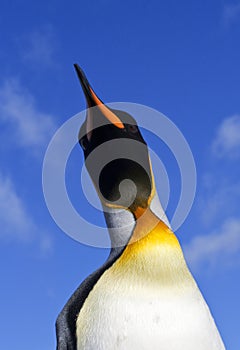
point(93, 100)
point(88, 92)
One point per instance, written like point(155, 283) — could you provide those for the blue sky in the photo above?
point(181, 58)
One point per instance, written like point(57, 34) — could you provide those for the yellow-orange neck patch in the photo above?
point(153, 254)
point(150, 229)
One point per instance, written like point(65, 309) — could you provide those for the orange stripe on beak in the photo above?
point(107, 112)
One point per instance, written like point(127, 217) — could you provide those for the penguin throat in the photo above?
point(138, 212)
point(153, 253)
point(150, 228)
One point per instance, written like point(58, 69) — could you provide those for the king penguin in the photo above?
point(144, 296)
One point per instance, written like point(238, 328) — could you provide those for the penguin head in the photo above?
point(116, 155)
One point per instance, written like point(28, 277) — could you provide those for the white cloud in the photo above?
point(218, 205)
point(25, 124)
point(231, 13)
point(219, 247)
point(16, 223)
point(219, 200)
point(227, 140)
point(45, 244)
point(39, 47)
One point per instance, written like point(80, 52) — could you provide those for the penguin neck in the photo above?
point(150, 233)
point(121, 222)
point(151, 250)
point(153, 253)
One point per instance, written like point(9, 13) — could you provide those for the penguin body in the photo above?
point(144, 296)
point(147, 300)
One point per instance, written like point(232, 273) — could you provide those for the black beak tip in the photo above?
point(79, 72)
point(77, 67)
point(83, 80)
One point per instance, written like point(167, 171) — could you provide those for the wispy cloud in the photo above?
point(16, 223)
point(221, 246)
point(20, 117)
point(227, 140)
point(220, 199)
point(218, 206)
point(40, 47)
point(231, 13)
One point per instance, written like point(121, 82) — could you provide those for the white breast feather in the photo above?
point(127, 312)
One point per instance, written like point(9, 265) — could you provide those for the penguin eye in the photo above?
point(132, 128)
point(84, 143)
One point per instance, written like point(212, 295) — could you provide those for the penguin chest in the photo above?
point(147, 300)
point(124, 315)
